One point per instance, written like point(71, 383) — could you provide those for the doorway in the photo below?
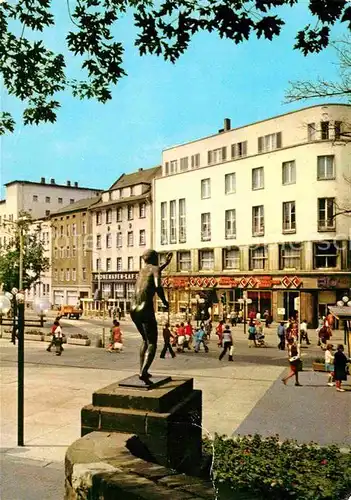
point(289, 305)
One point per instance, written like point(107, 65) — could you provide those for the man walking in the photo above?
point(200, 339)
point(304, 332)
point(227, 343)
point(167, 335)
point(281, 336)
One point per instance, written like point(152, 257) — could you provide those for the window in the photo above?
point(326, 211)
point(71, 201)
point(60, 200)
point(119, 263)
point(324, 130)
point(74, 275)
point(325, 168)
point(61, 230)
point(173, 167)
point(130, 212)
point(337, 130)
point(269, 142)
point(258, 258)
point(205, 188)
point(132, 191)
point(142, 237)
point(229, 183)
point(84, 228)
point(98, 241)
point(98, 218)
point(184, 261)
point(216, 155)
point(311, 131)
point(119, 214)
point(239, 150)
point(68, 274)
point(325, 254)
point(182, 221)
point(258, 221)
point(74, 229)
point(47, 213)
point(47, 199)
point(289, 217)
point(62, 275)
point(55, 274)
point(108, 264)
point(231, 258)
point(195, 161)
point(130, 263)
point(288, 172)
point(290, 256)
point(74, 251)
point(109, 216)
point(130, 291)
point(35, 197)
point(206, 260)
point(130, 240)
point(142, 210)
point(119, 290)
point(184, 162)
point(257, 178)
point(98, 264)
point(68, 230)
point(173, 221)
point(230, 224)
point(119, 240)
point(84, 273)
point(108, 240)
point(206, 227)
point(166, 167)
point(67, 253)
point(164, 231)
point(141, 262)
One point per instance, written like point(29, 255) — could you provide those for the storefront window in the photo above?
point(130, 290)
point(119, 290)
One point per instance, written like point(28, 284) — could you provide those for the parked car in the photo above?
point(71, 312)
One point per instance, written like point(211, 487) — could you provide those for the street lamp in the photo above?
point(244, 301)
point(5, 306)
point(41, 306)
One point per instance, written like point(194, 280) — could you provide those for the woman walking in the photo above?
point(252, 334)
point(227, 344)
point(294, 361)
point(340, 363)
point(116, 338)
point(329, 364)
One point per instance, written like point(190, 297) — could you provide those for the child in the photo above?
point(329, 364)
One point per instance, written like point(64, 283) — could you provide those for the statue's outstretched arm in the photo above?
point(158, 285)
point(168, 260)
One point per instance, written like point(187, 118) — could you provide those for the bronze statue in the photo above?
point(142, 312)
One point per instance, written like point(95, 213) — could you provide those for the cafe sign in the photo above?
point(131, 276)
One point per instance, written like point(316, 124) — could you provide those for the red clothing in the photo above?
point(188, 330)
point(117, 334)
point(181, 331)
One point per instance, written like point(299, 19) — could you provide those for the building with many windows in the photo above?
point(71, 252)
point(254, 211)
point(122, 231)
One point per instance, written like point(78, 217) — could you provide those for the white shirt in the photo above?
point(303, 326)
point(329, 357)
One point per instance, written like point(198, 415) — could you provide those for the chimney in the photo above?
point(226, 124)
point(140, 169)
point(52, 181)
point(68, 183)
point(42, 180)
point(76, 184)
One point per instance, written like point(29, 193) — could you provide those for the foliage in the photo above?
point(34, 261)
point(319, 360)
point(35, 74)
point(302, 90)
point(79, 336)
point(266, 468)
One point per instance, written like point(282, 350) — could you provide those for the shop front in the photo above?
point(114, 290)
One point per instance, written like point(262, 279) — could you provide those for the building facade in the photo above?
point(253, 212)
point(71, 253)
point(122, 231)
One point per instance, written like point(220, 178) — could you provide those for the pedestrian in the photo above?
point(57, 337)
point(167, 336)
point(227, 344)
point(180, 337)
point(116, 338)
point(240, 316)
point(320, 325)
point(188, 335)
point(324, 336)
point(329, 364)
point(252, 334)
point(208, 329)
point(304, 332)
point(281, 336)
point(233, 318)
point(266, 318)
point(219, 332)
point(340, 367)
point(294, 361)
point(200, 339)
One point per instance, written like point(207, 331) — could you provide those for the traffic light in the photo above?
point(223, 298)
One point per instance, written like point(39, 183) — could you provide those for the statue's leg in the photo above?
point(137, 320)
point(150, 328)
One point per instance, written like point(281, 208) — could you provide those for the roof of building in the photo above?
point(121, 201)
point(53, 185)
point(77, 206)
point(141, 176)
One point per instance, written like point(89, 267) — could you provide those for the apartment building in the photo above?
point(71, 252)
point(253, 212)
point(122, 231)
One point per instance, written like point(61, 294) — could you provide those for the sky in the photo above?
point(159, 104)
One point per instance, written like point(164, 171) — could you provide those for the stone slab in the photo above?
point(135, 382)
point(160, 399)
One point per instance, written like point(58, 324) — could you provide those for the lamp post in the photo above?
point(244, 301)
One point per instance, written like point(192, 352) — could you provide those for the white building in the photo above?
point(122, 231)
point(247, 209)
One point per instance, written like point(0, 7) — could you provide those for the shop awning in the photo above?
point(341, 312)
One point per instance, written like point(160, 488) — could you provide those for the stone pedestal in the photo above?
point(166, 418)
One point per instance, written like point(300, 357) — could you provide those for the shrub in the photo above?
point(264, 468)
point(34, 332)
point(319, 360)
point(79, 336)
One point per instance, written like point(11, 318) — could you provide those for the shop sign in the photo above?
point(281, 311)
point(180, 282)
point(327, 282)
point(227, 282)
point(294, 282)
point(116, 276)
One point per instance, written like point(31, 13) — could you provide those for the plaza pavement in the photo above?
point(242, 397)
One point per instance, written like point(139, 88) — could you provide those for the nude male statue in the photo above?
point(142, 312)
